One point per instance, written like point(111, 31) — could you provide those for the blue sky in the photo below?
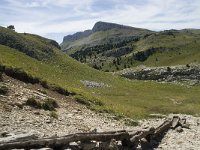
point(54, 19)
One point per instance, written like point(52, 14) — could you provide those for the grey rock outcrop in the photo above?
point(189, 74)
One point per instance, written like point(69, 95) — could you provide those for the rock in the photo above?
point(37, 113)
point(187, 126)
point(175, 74)
point(48, 121)
point(179, 129)
point(182, 121)
point(93, 130)
point(113, 145)
point(93, 84)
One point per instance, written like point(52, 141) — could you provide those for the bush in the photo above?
point(53, 114)
point(130, 122)
point(80, 99)
point(168, 69)
point(1, 77)
point(188, 65)
point(86, 101)
point(33, 103)
point(49, 104)
point(3, 90)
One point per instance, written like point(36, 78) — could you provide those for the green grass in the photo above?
point(136, 99)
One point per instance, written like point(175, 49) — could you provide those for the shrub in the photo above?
point(42, 91)
point(61, 90)
point(1, 77)
point(168, 69)
point(86, 101)
point(53, 114)
point(3, 90)
point(49, 104)
point(80, 99)
point(33, 103)
point(130, 122)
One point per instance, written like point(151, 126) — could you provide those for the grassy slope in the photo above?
point(185, 45)
point(133, 98)
point(186, 48)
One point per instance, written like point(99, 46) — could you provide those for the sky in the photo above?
point(56, 18)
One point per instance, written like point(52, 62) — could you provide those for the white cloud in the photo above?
point(67, 16)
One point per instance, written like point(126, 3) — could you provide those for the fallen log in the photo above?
point(135, 139)
point(65, 140)
point(19, 137)
point(129, 139)
point(162, 128)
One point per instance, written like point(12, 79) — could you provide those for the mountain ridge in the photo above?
point(98, 26)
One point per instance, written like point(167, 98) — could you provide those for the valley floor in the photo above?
point(16, 118)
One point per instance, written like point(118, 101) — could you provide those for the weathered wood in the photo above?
point(175, 122)
point(135, 139)
point(19, 137)
point(162, 128)
point(65, 140)
point(129, 139)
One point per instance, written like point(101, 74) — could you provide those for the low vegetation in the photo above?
point(3, 89)
point(1, 77)
point(53, 114)
point(47, 104)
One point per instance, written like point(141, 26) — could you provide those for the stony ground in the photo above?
point(189, 139)
point(17, 118)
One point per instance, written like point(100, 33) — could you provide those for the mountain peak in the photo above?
point(103, 26)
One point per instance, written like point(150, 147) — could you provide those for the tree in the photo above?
point(11, 27)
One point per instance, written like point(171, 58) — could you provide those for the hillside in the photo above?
point(38, 60)
point(165, 48)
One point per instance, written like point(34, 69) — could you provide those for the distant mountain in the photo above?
point(111, 47)
point(104, 26)
point(101, 33)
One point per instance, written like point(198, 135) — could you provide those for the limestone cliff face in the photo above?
point(77, 36)
point(104, 26)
